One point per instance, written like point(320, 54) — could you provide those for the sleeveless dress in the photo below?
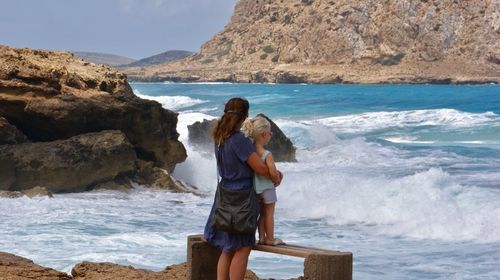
point(262, 183)
point(236, 175)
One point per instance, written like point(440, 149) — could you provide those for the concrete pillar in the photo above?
point(331, 266)
point(202, 259)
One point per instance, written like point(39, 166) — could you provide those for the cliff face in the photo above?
point(392, 38)
point(49, 96)
point(333, 32)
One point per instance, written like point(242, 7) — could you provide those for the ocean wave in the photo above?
point(172, 102)
point(188, 118)
point(413, 140)
point(446, 118)
point(396, 192)
point(407, 140)
point(425, 205)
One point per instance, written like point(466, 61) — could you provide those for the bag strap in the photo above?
point(217, 152)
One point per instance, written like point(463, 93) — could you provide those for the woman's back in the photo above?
point(233, 169)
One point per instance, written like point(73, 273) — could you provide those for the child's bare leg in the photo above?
point(269, 221)
point(262, 227)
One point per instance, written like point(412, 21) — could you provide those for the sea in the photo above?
point(406, 177)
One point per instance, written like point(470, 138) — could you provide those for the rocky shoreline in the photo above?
point(13, 267)
point(450, 72)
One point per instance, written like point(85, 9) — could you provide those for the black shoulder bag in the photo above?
point(235, 211)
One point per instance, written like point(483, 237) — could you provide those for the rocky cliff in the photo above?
point(53, 97)
point(365, 41)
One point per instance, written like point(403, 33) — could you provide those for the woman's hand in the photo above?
point(280, 175)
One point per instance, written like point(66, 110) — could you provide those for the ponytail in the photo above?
point(253, 127)
point(235, 112)
point(247, 128)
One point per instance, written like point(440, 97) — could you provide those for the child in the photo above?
point(260, 130)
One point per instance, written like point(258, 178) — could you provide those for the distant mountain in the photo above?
point(104, 58)
point(160, 58)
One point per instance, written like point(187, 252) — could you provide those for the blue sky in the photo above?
point(132, 28)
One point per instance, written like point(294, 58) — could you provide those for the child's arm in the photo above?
point(273, 171)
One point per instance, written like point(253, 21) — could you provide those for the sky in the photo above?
point(131, 28)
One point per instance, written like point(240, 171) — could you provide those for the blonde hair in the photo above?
point(255, 126)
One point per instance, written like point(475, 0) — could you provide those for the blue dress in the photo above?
point(236, 175)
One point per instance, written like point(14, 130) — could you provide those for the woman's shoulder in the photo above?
point(239, 137)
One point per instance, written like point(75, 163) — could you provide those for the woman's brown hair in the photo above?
point(235, 112)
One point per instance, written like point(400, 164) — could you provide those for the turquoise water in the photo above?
point(407, 177)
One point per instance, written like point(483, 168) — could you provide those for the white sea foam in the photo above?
point(407, 139)
point(199, 168)
point(394, 191)
point(353, 181)
point(188, 118)
point(446, 118)
point(172, 102)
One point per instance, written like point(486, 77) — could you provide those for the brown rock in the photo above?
point(9, 134)
point(37, 191)
point(199, 133)
point(68, 165)
point(114, 185)
point(17, 268)
point(10, 194)
point(13, 267)
point(52, 96)
point(347, 41)
point(110, 271)
point(153, 177)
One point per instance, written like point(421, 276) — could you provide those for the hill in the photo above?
point(349, 41)
point(160, 58)
point(104, 58)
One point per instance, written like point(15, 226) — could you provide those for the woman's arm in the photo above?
point(259, 167)
point(273, 171)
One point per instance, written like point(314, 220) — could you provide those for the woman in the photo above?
point(237, 163)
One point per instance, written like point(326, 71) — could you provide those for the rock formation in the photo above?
point(17, 268)
point(9, 134)
point(199, 134)
point(74, 164)
point(51, 96)
point(13, 267)
point(323, 41)
point(280, 145)
point(110, 271)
